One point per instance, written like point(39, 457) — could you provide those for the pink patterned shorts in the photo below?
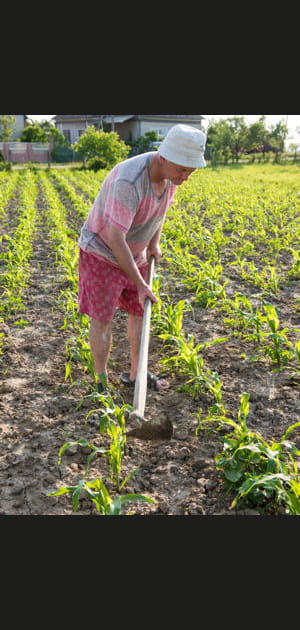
point(103, 288)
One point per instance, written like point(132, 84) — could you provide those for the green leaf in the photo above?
point(293, 503)
point(292, 427)
point(244, 407)
point(91, 456)
point(268, 481)
point(76, 494)
point(136, 497)
point(60, 491)
point(129, 477)
point(295, 485)
point(233, 474)
point(63, 448)
point(115, 506)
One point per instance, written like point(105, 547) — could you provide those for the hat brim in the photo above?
point(196, 161)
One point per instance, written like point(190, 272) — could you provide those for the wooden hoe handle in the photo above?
point(140, 388)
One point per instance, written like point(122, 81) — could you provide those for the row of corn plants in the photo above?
point(8, 185)
point(66, 252)
point(18, 253)
point(77, 345)
point(89, 183)
point(80, 205)
point(111, 415)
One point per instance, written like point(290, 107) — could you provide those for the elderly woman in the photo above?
point(120, 234)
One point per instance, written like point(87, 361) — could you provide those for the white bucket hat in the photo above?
point(184, 145)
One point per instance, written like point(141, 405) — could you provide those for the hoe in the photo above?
point(145, 430)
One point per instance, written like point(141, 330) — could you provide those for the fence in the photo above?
point(26, 151)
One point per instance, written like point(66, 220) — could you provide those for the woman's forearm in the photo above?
point(122, 253)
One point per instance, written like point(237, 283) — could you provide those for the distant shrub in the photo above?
point(95, 164)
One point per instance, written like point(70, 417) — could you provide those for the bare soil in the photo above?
point(39, 409)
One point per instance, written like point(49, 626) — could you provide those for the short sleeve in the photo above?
point(121, 204)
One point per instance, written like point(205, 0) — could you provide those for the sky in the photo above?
point(293, 121)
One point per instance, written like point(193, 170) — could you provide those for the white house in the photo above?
point(128, 126)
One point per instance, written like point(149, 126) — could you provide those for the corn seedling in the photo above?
point(182, 261)
point(111, 413)
point(216, 413)
point(188, 360)
point(112, 421)
point(263, 475)
point(1, 341)
point(279, 348)
point(244, 317)
point(207, 286)
point(168, 319)
point(78, 349)
point(294, 272)
point(97, 492)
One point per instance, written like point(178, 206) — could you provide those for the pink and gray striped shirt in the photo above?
point(126, 200)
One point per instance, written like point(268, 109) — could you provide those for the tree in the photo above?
point(34, 133)
point(226, 137)
point(6, 126)
point(45, 131)
point(257, 135)
point(238, 135)
point(277, 137)
point(294, 148)
point(53, 134)
point(106, 146)
point(218, 140)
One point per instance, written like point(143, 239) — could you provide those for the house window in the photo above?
point(80, 132)
point(67, 134)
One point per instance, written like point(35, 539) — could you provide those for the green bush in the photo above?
point(95, 143)
point(145, 143)
point(95, 164)
point(5, 166)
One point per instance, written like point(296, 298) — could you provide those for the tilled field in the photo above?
point(40, 410)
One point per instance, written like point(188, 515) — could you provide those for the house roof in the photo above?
point(172, 117)
point(118, 119)
point(75, 116)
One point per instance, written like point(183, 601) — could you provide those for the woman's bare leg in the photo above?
point(100, 337)
point(134, 335)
